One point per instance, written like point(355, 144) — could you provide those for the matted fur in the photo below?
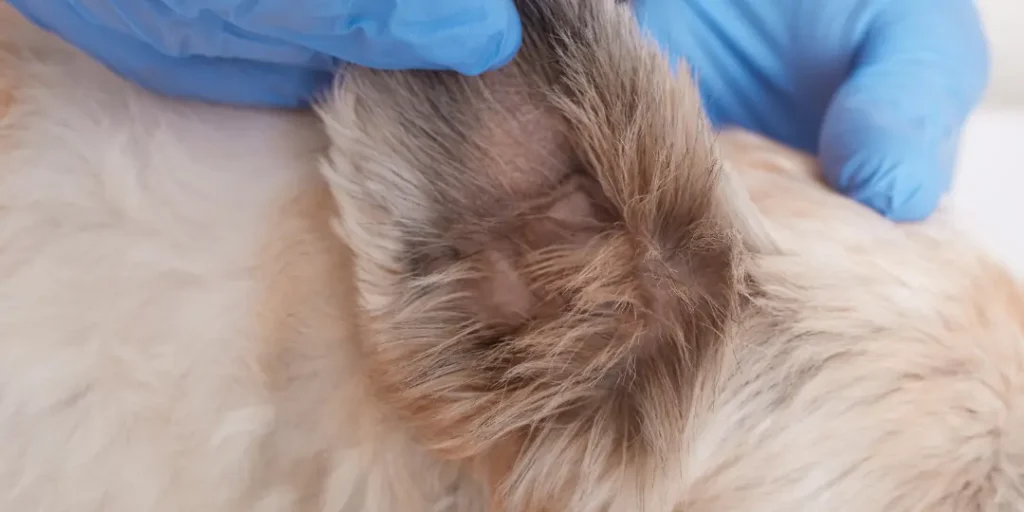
point(555, 295)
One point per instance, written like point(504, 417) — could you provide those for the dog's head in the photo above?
point(550, 257)
point(547, 255)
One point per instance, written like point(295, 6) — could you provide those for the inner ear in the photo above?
point(545, 253)
point(510, 287)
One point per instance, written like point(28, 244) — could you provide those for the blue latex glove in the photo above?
point(879, 89)
point(277, 52)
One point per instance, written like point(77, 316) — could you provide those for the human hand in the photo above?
point(879, 89)
point(277, 52)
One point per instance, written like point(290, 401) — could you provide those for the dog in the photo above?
point(552, 287)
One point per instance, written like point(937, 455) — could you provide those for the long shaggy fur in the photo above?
point(553, 253)
point(547, 288)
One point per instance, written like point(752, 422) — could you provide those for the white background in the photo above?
point(988, 192)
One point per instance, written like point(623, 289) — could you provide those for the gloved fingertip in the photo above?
point(497, 48)
point(268, 86)
point(895, 157)
point(903, 206)
point(918, 206)
point(900, 176)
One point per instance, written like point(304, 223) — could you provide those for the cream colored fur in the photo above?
point(182, 329)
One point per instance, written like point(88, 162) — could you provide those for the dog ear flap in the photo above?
point(546, 254)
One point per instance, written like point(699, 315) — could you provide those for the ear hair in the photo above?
point(547, 254)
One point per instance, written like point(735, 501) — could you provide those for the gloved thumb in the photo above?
point(890, 135)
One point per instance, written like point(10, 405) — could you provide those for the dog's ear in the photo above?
point(546, 254)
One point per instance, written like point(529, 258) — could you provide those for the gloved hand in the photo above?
point(879, 89)
point(277, 52)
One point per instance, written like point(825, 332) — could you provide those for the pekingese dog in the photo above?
point(548, 288)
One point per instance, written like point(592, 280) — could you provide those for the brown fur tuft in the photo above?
point(560, 254)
